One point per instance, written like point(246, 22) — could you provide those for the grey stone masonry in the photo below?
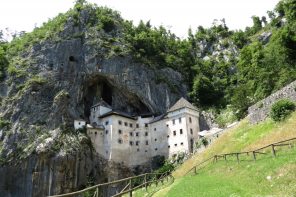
point(259, 111)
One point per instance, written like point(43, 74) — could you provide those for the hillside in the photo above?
point(266, 176)
point(53, 75)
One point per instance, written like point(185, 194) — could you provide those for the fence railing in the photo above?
point(252, 153)
point(123, 186)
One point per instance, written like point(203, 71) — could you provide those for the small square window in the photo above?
point(182, 143)
point(107, 122)
point(169, 146)
point(155, 149)
point(155, 139)
point(175, 144)
point(96, 133)
point(137, 125)
point(138, 150)
point(131, 143)
point(147, 143)
point(181, 131)
point(190, 119)
point(154, 129)
point(106, 131)
point(137, 143)
point(120, 141)
point(173, 121)
point(131, 133)
point(168, 136)
point(119, 131)
point(119, 122)
point(79, 123)
point(175, 133)
point(137, 134)
point(146, 133)
point(125, 124)
point(146, 151)
point(180, 120)
point(131, 125)
point(191, 132)
point(146, 125)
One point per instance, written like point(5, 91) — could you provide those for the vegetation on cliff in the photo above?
point(221, 67)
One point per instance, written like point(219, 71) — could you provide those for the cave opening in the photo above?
point(118, 98)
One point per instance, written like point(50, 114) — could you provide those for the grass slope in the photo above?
point(266, 176)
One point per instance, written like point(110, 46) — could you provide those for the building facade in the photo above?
point(135, 140)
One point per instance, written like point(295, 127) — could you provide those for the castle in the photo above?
point(135, 140)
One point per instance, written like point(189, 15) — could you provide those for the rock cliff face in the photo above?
point(57, 81)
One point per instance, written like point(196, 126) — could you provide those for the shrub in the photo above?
point(281, 109)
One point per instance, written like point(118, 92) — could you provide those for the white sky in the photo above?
point(176, 15)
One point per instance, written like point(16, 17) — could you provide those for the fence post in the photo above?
point(237, 157)
point(145, 181)
point(194, 169)
point(254, 155)
point(273, 150)
point(97, 191)
point(156, 181)
point(225, 157)
point(167, 176)
point(130, 187)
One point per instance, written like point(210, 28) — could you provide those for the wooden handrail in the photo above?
point(115, 182)
point(245, 152)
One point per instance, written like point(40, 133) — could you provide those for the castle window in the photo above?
point(191, 132)
point(79, 123)
point(146, 125)
point(174, 132)
point(131, 125)
point(155, 139)
point(190, 119)
point(137, 143)
point(146, 133)
point(180, 120)
point(119, 122)
point(138, 150)
point(173, 121)
point(131, 133)
point(131, 143)
point(154, 129)
point(95, 133)
point(106, 131)
point(120, 141)
point(182, 143)
point(181, 131)
point(155, 149)
point(137, 134)
point(146, 151)
point(107, 122)
point(176, 145)
point(137, 125)
point(125, 124)
point(119, 131)
point(168, 136)
point(167, 125)
point(147, 143)
point(169, 146)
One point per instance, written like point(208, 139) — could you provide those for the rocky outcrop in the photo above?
point(58, 80)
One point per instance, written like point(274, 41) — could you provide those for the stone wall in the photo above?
point(259, 111)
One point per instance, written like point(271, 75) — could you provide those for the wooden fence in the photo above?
point(128, 185)
point(237, 155)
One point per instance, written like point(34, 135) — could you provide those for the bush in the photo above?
point(281, 109)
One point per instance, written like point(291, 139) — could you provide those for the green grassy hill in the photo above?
point(266, 176)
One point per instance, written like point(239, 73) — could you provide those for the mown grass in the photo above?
point(266, 176)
